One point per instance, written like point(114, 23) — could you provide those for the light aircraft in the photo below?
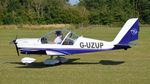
point(71, 43)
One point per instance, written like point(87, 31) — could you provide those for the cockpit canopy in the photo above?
point(65, 37)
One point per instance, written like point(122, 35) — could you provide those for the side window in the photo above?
point(70, 39)
point(48, 38)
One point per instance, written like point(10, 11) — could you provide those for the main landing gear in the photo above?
point(57, 60)
point(50, 61)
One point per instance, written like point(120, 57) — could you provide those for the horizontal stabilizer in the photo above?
point(124, 46)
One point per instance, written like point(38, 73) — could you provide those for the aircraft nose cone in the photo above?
point(13, 42)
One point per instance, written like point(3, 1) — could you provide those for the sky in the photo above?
point(73, 2)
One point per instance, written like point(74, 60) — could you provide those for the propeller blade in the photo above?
point(14, 42)
point(16, 35)
point(17, 49)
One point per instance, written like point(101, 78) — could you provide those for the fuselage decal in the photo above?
point(97, 45)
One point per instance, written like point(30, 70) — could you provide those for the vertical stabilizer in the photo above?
point(128, 33)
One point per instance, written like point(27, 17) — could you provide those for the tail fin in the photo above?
point(128, 33)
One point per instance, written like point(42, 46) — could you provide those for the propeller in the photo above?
point(14, 42)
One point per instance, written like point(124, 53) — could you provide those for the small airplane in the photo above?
point(63, 42)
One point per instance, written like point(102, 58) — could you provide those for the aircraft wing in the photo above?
point(44, 52)
point(33, 52)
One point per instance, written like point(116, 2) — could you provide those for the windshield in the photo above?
point(70, 39)
point(59, 37)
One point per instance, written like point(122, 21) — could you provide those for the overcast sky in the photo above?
point(73, 2)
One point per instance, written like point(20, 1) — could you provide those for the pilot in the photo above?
point(58, 38)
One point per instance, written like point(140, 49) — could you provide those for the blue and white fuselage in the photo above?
point(81, 45)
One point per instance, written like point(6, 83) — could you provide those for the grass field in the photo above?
point(109, 67)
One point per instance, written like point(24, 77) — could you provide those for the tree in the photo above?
point(144, 11)
point(108, 11)
point(103, 12)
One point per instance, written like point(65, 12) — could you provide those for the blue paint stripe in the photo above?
point(65, 50)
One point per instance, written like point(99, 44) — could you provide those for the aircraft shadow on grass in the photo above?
point(70, 62)
point(110, 62)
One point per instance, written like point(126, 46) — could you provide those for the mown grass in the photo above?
point(110, 67)
point(50, 26)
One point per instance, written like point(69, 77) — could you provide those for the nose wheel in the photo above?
point(28, 60)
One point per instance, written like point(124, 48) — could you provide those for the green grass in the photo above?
point(110, 67)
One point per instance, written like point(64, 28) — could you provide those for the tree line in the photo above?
point(103, 12)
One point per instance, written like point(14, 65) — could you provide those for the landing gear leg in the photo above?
point(51, 57)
